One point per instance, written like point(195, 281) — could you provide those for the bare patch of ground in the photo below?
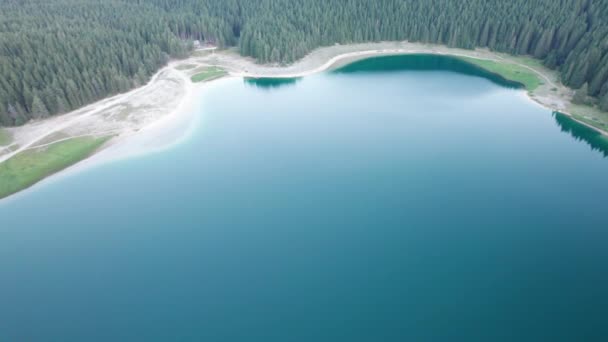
point(5, 137)
point(120, 116)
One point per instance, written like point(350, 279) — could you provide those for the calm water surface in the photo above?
point(404, 198)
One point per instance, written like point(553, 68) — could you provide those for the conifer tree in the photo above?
point(604, 102)
point(39, 110)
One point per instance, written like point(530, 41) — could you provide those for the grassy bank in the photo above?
point(29, 167)
point(509, 71)
point(5, 137)
point(596, 140)
point(590, 115)
point(207, 74)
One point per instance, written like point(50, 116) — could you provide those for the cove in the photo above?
point(384, 201)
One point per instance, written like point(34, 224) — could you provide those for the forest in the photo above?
point(59, 55)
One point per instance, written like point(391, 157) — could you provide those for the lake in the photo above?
point(398, 198)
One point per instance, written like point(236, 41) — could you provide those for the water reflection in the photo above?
point(593, 138)
point(425, 62)
point(271, 83)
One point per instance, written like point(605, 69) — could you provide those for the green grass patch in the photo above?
point(529, 61)
point(208, 74)
point(593, 138)
point(5, 137)
point(591, 121)
point(591, 115)
point(512, 72)
point(29, 167)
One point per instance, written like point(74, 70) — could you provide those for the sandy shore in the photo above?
point(164, 112)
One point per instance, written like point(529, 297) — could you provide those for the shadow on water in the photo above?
point(424, 62)
point(270, 83)
point(596, 140)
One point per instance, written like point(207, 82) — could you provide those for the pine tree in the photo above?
point(4, 118)
point(39, 110)
point(604, 103)
point(60, 105)
point(16, 114)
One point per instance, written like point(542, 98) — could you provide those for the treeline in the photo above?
point(57, 55)
point(571, 35)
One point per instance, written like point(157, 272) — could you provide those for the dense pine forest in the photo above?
point(58, 55)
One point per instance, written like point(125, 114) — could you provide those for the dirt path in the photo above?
point(360, 54)
point(122, 114)
point(87, 112)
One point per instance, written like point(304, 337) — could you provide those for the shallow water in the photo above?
point(399, 198)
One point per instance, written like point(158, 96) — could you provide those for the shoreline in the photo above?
point(163, 134)
point(176, 121)
point(360, 55)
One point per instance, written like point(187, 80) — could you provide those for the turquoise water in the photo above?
point(409, 198)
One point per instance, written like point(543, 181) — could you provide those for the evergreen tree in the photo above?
point(39, 110)
point(60, 106)
point(604, 102)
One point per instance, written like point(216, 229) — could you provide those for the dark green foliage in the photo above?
point(39, 110)
point(69, 53)
point(604, 103)
point(58, 55)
